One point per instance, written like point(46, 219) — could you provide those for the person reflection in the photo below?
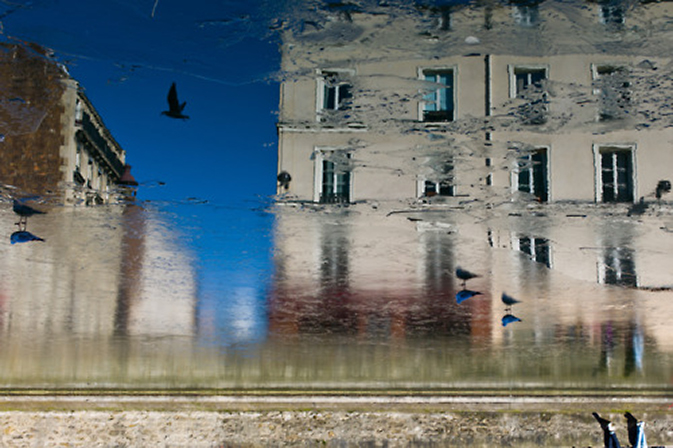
point(607, 347)
point(636, 431)
point(634, 349)
point(609, 437)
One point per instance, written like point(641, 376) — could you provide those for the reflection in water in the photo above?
point(23, 236)
point(412, 142)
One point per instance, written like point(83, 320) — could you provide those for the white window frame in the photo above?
point(602, 269)
point(515, 241)
point(598, 171)
point(524, 16)
point(320, 87)
point(319, 157)
point(514, 176)
point(420, 184)
point(602, 18)
point(511, 68)
point(421, 76)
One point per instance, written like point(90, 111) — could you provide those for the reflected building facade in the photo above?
point(529, 140)
point(109, 299)
point(54, 143)
point(110, 295)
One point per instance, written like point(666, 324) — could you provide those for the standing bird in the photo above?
point(509, 301)
point(23, 236)
point(24, 211)
point(465, 275)
point(174, 106)
point(465, 294)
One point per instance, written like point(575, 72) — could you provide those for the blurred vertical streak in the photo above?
point(133, 250)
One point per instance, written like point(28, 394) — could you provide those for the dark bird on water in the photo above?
point(24, 211)
point(509, 300)
point(508, 319)
point(23, 236)
point(465, 294)
point(465, 275)
point(174, 107)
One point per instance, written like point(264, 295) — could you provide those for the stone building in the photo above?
point(53, 142)
point(528, 139)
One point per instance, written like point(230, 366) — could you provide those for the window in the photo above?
point(333, 177)
point(438, 101)
point(528, 83)
point(334, 90)
point(537, 249)
point(438, 18)
point(443, 184)
point(524, 78)
point(618, 267)
point(612, 85)
point(525, 13)
point(615, 174)
point(78, 111)
point(531, 174)
point(612, 14)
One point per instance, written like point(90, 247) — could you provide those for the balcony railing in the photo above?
point(102, 150)
point(334, 198)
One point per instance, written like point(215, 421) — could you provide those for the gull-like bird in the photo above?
point(174, 107)
point(24, 211)
point(509, 300)
point(465, 275)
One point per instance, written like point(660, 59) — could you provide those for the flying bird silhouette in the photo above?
point(509, 300)
point(23, 236)
point(508, 319)
point(465, 275)
point(174, 107)
point(465, 294)
point(24, 211)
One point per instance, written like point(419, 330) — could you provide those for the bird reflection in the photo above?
point(23, 236)
point(465, 294)
point(24, 211)
point(508, 319)
point(609, 437)
point(465, 275)
point(508, 301)
point(174, 107)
